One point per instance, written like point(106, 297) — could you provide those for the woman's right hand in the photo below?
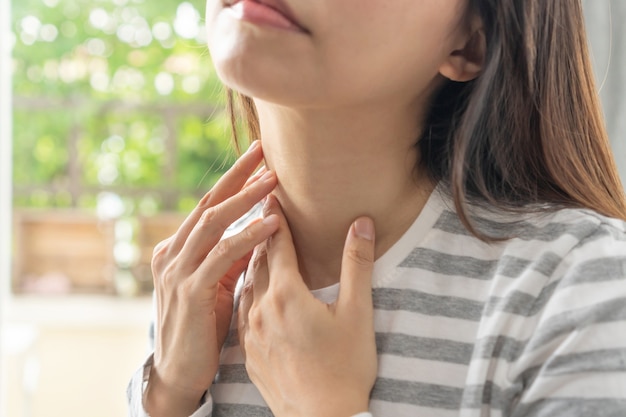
point(195, 273)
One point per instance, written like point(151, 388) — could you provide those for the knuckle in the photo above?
point(204, 202)
point(280, 293)
point(212, 217)
point(247, 289)
point(224, 248)
point(246, 193)
point(156, 264)
point(259, 261)
point(255, 319)
point(164, 278)
point(208, 215)
point(360, 257)
point(246, 298)
point(170, 274)
point(161, 248)
point(247, 235)
point(159, 257)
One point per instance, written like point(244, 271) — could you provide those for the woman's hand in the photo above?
point(308, 358)
point(195, 273)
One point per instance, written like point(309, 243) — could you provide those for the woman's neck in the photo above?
point(333, 167)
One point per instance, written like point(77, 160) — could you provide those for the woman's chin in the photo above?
point(285, 89)
point(261, 63)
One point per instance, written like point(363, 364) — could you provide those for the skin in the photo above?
point(298, 340)
point(195, 276)
point(338, 131)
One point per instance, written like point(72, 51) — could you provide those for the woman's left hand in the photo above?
point(308, 358)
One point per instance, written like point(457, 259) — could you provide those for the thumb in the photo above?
point(357, 265)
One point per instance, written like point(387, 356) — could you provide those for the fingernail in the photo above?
point(364, 228)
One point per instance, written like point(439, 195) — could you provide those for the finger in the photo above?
point(258, 273)
point(235, 178)
point(229, 281)
point(215, 220)
point(159, 255)
point(254, 288)
point(245, 304)
point(225, 298)
point(256, 176)
point(229, 184)
point(281, 254)
point(357, 265)
point(229, 251)
point(246, 297)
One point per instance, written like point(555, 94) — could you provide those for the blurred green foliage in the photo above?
point(115, 95)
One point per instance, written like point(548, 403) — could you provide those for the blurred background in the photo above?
point(117, 129)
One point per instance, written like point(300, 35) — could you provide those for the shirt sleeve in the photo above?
point(137, 386)
point(135, 389)
point(205, 409)
point(574, 364)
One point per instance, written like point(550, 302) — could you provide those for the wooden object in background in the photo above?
point(63, 251)
point(150, 231)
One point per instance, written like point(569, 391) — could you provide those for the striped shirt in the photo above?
point(531, 326)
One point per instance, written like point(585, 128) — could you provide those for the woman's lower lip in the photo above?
point(257, 13)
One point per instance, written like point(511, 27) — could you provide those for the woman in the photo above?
point(440, 232)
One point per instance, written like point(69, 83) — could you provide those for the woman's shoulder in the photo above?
point(572, 247)
point(598, 247)
point(581, 229)
point(582, 224)
point(564, 244)
point(536, 223)
point(574, 227)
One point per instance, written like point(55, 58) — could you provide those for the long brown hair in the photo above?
point(529, 131)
